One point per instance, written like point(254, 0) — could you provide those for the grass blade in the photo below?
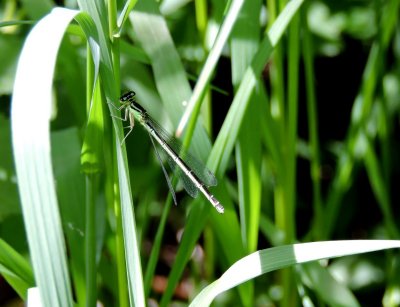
point(15, 269)
point(31, 141)
point(229, 131)
point(275, 258)
point(218, 159)
point(129, 264)
point(248, 148)
point(209, 66)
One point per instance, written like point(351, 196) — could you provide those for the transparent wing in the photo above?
point(189, 186)
point(171, 189)
point(202, 172)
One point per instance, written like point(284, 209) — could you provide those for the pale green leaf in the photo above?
point(31, 108)
point(275, 258)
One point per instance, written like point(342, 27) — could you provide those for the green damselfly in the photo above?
point(195, 176)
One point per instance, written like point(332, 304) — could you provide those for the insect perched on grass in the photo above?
point(195, 176)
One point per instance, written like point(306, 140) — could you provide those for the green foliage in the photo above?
point(99, 225)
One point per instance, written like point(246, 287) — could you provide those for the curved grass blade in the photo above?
point(124, 15)
point(275, 258)
point(32, 91)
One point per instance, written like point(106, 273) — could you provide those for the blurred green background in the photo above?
point(316, 157)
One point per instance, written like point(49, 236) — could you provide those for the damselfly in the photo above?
point(195, 176)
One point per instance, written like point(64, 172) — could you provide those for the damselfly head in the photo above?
point(129, 96)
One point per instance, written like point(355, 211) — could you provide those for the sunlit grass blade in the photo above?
point(199, 91)
point(31, 141)
point(152, 33)
point(275, 258)
point(124, 15)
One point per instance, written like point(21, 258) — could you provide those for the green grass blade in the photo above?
point(31, 141)
point(155, 251)
point(220, 154)
point(244, 44)
point(169, 74)
point(15, 269)
point(209, 66)
point(229, 131)
point(380, 189)
point(92, 163)
point(361, 112)
point(132, 254)
point(332, 292)
point(275, 258)
point(124, 15)
point(39, 9)
point(291, 116)
point(8, 189)
point(152, 33)
point(66, 146)
point(248, 161)
point(312, 112)
point(128, 244)
point(227, 232)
